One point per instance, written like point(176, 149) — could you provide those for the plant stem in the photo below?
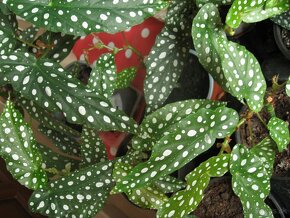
point(261, 119)
point(250, 130)
point(270, 109)
point(27, 43)
point(241, 122)
point(132, 48)
point(225, 146)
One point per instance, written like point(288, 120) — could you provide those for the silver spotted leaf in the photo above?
point(54, 46)
point(279, 132)
point(283, 20)
point(53, 159)
point(29, 34)
point(78, 17)
point(168, 184)
point(103, 76)
point(146, 197)
point(288, 87)
point(164, 120)
point(8, 29)
point(249, 11)
point(186, 201)
point(243, 73)
point(251, 172)
point(169, 55)
point(93, 150)
point(231, 65)
point(193, 135)
point(80, 194)
point(201, 3)
point(52, 88)
point(65, 143)
point(125, 77)
point(206, 28)
point(45, 118)
point(19, 149)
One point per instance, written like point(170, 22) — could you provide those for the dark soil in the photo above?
point(253, 131)
point(219, 201)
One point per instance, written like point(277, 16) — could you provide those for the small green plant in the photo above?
point(75, 179)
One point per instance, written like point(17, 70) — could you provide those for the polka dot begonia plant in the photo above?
point(45, 118)
point(251, 11)
point(72, 177)
point(63, 142)
point(231, 64)
point(251, 171)
point(56, 161)
point(279, 132)
point(92, 148)
point(165, 120)
point(193, 135)
point(19, 149)
point(169, 54)
point(9, 26)
point(147, 197)
point(78, 17)
point(51, 87)
point(185, 201)
point(283, 20)
point(80, 194)
point(200, 3)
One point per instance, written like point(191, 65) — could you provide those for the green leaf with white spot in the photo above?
point(217, 3)
point(19, 150)
point(206, 28)
point(145, 197)
point(169, 55)
point(81, 194)
point(283, 20)
point(55, 46)
point(29, 34)
point(164, 120)
point(243, 73)
point(288, 87)
point(63, 142)
point(53, 159)
point(193, 135)
point(8, 29)
point(53, 88)
point(231, 65)
point(254, 11)
point(186, 201)
point(168, 184)
point(279, 132)
point(78, 17)
point(93, 150)
point(103, 76)
point(45, 118)
point(125, 77)
point(251, 172)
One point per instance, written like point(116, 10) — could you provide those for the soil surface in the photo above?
point(219, 201)
point(253, 131)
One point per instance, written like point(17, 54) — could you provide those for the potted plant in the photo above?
point(76, 181)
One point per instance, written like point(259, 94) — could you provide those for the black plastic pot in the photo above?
point(282, 38)
point(280, 190)
point(274, 65)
